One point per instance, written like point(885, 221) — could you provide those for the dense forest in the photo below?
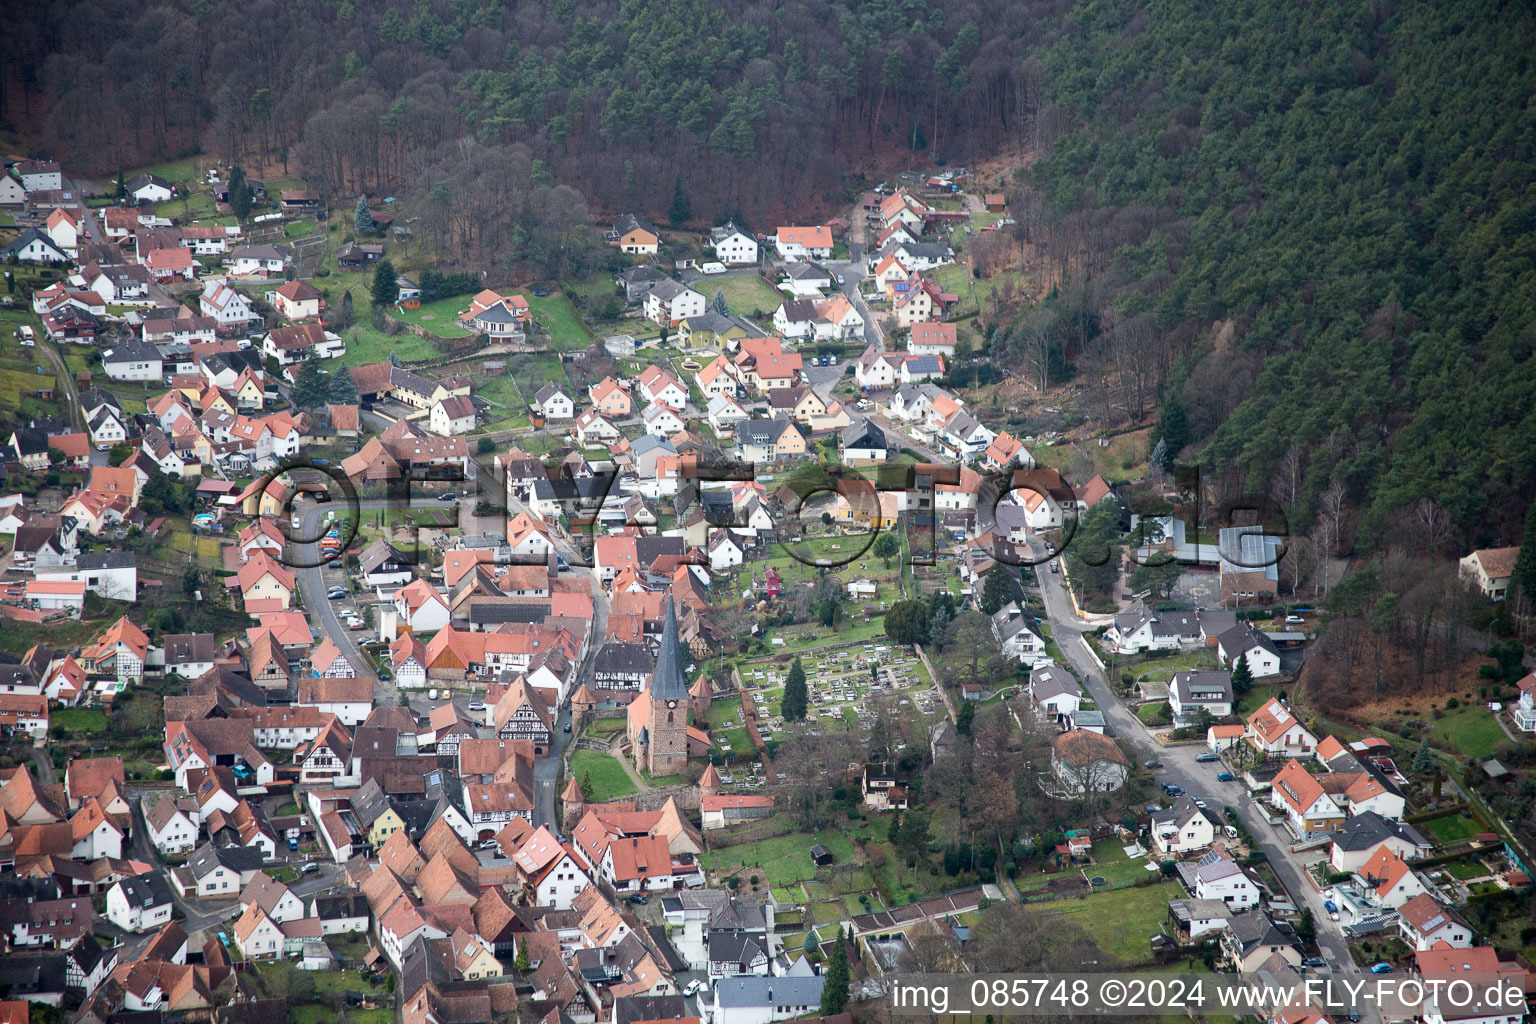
point(1321, 216)
point(757, 105)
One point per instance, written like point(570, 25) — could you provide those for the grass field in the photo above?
point(300, 228)
point(1468, 730)
point(1119, 922)
point(440, 317)
point(608, 778)
point(1451, 828)
point(746, 294)
point(79, 720)
point(1125, 458)
point(15, 383)
point(557, 316)
point(780, 861)
point(370, 345)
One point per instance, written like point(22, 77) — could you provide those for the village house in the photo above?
point(801, 243)
point(632, 235)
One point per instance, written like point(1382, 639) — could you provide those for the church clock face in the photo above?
point(671, 704)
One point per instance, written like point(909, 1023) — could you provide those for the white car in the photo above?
point(432, 694)
point(693, 986)
point(712, 268)
point(478, 705)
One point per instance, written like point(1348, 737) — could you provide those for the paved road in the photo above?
point(1180, 768)
point(312, 588)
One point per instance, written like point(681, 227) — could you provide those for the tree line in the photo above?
point(760, 106)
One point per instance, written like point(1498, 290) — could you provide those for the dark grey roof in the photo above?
point(1203, 687)
point(806, 271)
point(796, 310)
point(733, 947)
point(633, 1008)
point(1363, 831)
point(668, 289)
point(147, 890)
point(861, 433)
point(1181, 813)
point(758, 992)
point(108, 560)
point(369, 802)
point(1243, 637)
point(132, 351)
point(1256, 928)
point(236, 858)
point(189, 648)
point(29, 236)
point(337, 906)
point(623, 659)
point(927, 250)
point(630, 222)
point(667, 682)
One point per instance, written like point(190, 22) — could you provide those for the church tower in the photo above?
point(666, 740)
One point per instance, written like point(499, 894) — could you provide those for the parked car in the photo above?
point(637, 899)
point(1207, 758)
point(693, 986)
point(432, 694)
point(1225, 777)
point(1381, 968)
point(1315, 961)
point(476, 705)
point(1293, 619)
point(310, 869)
point(490, 844)
point(567, 727)
point(1172, 790)
point(1330, 906)
point(336, 595)
point(1154, 764)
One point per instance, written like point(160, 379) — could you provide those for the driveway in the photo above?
point(1180, 768)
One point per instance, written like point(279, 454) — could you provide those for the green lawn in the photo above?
point(557, 316)
point(780, 861)
point(440, 317)
point(746, 294)
point(367, 344)
point(300, 228)
point(1449, 829)
point(181, 170)
point(15, 383)
point(79, 720)
point(1119, 922)
point(608, 778)
point(1255, 698)
point(1469, 731)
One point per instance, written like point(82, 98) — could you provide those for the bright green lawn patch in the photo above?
point(300, 228)
point(746, 294)
point(371, 345)
point(79, 720)
point(14, 383)
point(556, 315)
point(440, 317)
point(782, 861)
point(1465, 869)
point(608, 779)
point(1469, 731)
point(1449, 829)
point(1119, 922)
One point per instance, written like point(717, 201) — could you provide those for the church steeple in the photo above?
point(667, 681)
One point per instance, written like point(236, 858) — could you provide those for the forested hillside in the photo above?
point(1326, 212)
point(1307, 227)
point(757, 105)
